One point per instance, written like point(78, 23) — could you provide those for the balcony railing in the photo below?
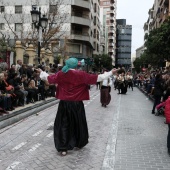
point(79, 33)
point(111, 37)
point(111, 50)
point(81, 3)
point(111, 44)
point(78, 14)
point(76, 35)
point(80, 20)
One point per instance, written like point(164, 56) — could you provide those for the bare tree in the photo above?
point(57, 15)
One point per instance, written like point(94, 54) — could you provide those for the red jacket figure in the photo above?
point(167, 110)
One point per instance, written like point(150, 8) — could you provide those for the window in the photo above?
point(18, 26)
point(2, 9)
point(106, 3)
point(97, 47)
point(94, 35)
point(74, 48)
point(94, 20)
point(95, 7)
point(2, 26)
point(94, 45)
point(18, 9)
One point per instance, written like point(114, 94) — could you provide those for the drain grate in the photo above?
point(50, 128)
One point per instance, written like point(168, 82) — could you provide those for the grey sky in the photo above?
point(136, 14)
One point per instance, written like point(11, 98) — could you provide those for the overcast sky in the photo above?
point(136, 14)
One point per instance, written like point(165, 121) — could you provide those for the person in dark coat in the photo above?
point(157, 91)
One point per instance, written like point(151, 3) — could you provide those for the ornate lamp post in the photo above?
point(41, 24)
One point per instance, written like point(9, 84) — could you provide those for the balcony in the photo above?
point(111, 50)
point(111, 37)
point(76, 35)
point(111, 44)
point(111, 30)
point(112, 1)
point(111, 18)
point(112, 5)
point(78, 18)
point(111, 23)
point(81, 3)
point(111, 11)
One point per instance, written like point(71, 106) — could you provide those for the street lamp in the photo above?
point(40, 23)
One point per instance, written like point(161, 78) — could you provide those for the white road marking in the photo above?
point(85, 105)
point(109, 159)
point(37, 133)
point(14, 164)
point(50, 124)
point(34, 147)
point(19, 146)
point(49, 135)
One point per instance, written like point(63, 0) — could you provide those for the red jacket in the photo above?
point(73, 85)
point(167, 110)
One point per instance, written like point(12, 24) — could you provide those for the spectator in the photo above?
point(6, 94)
point(15, 82)
point(18, 65)
point(23, 70)
point(157, 91)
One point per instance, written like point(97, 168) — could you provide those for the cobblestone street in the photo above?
point(124, 135)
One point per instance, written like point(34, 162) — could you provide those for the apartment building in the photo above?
point(139, 51)
point(96, 26)
point(82, 35)
point(108, 20)
point(157, 15)
point(124, 43)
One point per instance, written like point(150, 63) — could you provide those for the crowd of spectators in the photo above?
point(155, 83)
point(21, 85)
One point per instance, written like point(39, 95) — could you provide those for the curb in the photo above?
point(149, 97)
point(16, 116)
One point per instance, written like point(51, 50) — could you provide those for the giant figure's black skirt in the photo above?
point(70, 127)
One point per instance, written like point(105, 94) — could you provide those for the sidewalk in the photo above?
point(22, 112)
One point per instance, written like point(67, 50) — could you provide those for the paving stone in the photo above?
point(123, 136)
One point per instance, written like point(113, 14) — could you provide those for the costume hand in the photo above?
point(114, 70)
point(38, 70)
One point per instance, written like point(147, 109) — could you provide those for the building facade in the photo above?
point(81, 37)
point(124, 41)
point(158, 14)
point(139, 51)
point(108, 20)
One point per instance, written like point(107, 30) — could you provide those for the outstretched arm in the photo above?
point(48, 78)
point(43, 75)
point(106, 75)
